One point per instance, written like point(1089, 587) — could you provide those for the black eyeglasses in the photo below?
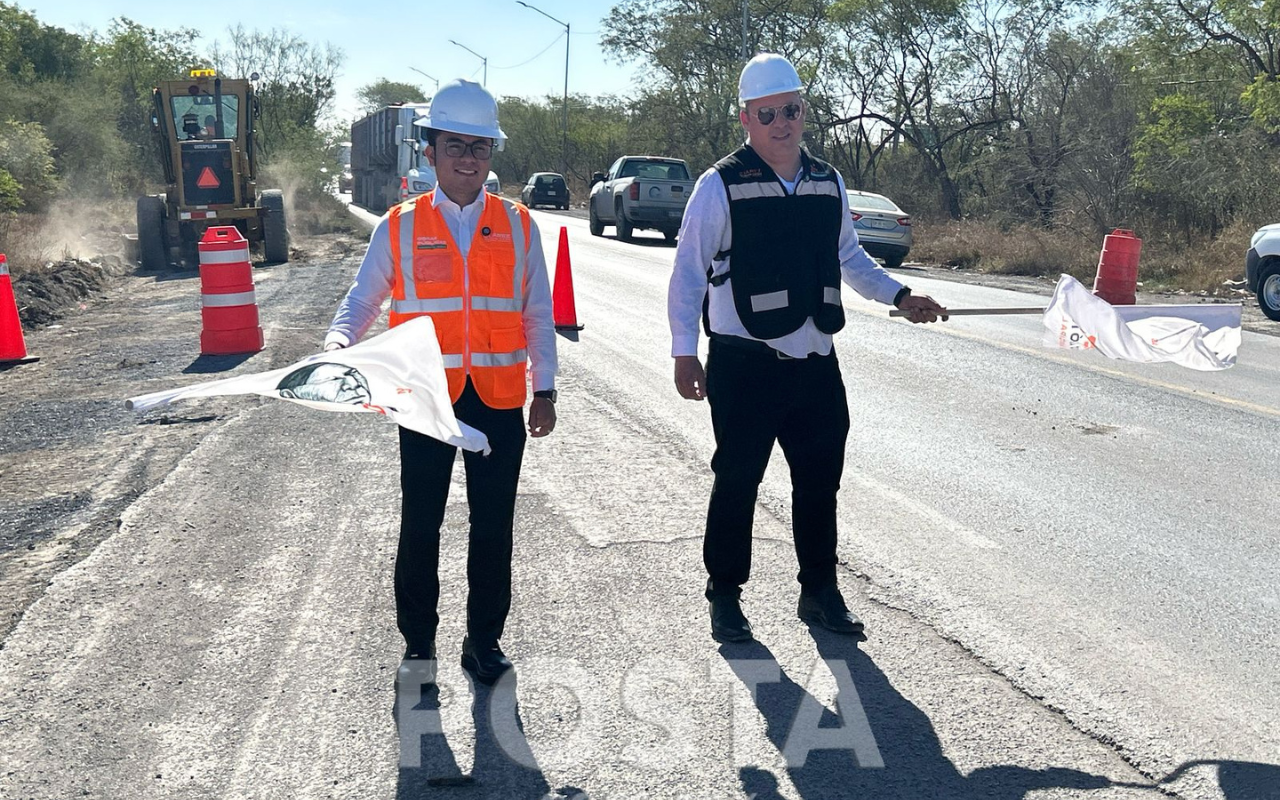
point(480, 150)
point(790, 112)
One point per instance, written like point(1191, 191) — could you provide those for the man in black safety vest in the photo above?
point(766, 241)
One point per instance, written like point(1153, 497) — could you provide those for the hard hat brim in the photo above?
point(497, 134)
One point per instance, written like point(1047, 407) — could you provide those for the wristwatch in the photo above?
point(549, 394)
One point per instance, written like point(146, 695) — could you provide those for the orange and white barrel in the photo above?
point(229, 305)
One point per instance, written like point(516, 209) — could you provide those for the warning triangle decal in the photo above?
point(207, 179)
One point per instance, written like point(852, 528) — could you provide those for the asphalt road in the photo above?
point(1065, 566)
point(1101, 533)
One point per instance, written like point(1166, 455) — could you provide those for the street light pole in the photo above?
point(564, 134)
point(420, 72)
point(744, 30)
point(485, 80)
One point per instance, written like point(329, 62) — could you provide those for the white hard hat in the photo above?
point(461, 106)
point(767, 74)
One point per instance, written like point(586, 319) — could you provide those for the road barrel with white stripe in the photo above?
point(229, 306)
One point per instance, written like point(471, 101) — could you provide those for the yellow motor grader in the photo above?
point(204, 128)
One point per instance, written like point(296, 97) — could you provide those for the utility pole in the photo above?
point(564, 135)
point(745, 55)
point(420, 72)
point(484, 81)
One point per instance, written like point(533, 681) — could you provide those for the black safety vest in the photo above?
point(785, 251)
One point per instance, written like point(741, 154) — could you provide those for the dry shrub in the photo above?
point(1203, 266)
point(1014, 249)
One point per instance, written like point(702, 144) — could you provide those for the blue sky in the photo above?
point(386, 43)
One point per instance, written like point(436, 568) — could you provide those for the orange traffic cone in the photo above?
point(13, 350)
point(566, 315)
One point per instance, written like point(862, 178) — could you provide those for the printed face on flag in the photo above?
point(399, 374)
point(326, 383)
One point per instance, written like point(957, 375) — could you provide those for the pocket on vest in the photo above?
point(506, 340)
point(432, 267)
point(502, 274)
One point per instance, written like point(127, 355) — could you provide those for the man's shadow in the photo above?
point(886, 748)
point(504, 766)
point(1238, 780)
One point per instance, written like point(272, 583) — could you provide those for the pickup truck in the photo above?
point(1262, 269)
point(640, 192)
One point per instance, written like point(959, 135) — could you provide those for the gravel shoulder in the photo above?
point(71, 457)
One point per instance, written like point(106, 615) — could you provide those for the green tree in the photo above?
point(10, 192)
point(130, 61)
point(1169, 163)
point(295, 84)
point(382, 93)
point(30, 50)
point(691, 52)
point(27, 156)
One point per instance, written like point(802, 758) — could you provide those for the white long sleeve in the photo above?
point(706, 231)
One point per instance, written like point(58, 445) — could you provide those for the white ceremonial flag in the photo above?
point(1204, 337)
point(399, 374)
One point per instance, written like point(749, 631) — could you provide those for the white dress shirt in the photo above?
point(706, 231)
point(373, 283)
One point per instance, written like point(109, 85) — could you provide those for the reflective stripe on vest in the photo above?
point(480, 331)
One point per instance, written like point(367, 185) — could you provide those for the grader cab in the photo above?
point(204, 128)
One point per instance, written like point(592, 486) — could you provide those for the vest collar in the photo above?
point(806, 164)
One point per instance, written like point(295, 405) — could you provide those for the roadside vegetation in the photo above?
point(76, 148)
point(1017, 134)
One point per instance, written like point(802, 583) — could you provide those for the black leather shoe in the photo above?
point(728, 623)
point(826, 608)
point(418, 667)
point(486, 663)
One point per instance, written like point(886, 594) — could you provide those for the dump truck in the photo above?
point(388, 162)
point(204, 129)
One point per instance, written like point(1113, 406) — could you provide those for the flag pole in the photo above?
point(972, 312)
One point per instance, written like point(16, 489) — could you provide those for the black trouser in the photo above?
point(425, 468)
point(756, 399)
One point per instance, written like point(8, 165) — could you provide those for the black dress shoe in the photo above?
point(826, 607)
point(728, 623)
point(486, 663)
point(418, 667)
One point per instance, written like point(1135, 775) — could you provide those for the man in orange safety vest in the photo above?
point(473, 262)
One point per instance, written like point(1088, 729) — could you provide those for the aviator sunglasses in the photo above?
point(790, 112)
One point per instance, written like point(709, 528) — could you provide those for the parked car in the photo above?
point(640, 192)
point(1262, 269)
point(545, 189)
point(492, 184)
point(884, 230)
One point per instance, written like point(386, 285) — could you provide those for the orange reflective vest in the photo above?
point(476, 303)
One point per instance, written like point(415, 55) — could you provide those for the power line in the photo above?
point(559, 36)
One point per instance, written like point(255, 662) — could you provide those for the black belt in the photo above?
point(749, 346)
